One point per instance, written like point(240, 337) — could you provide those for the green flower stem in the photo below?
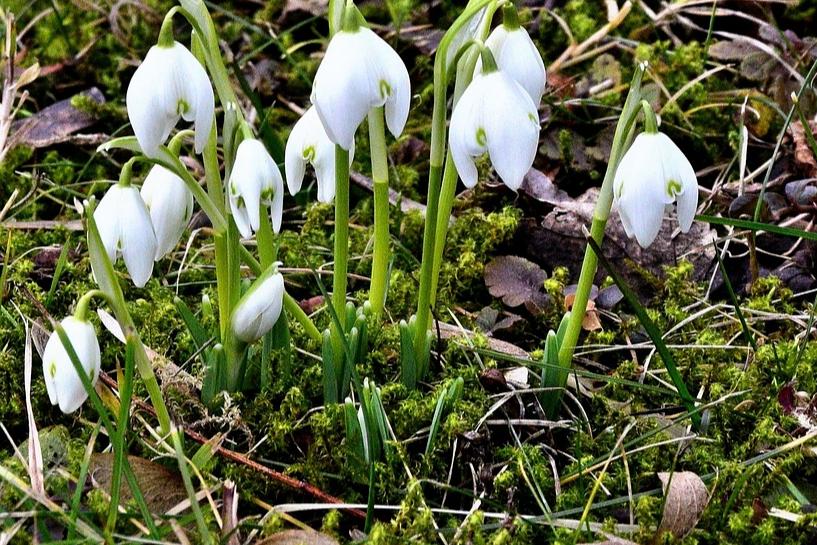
point(234, 348)
point(380, 175)
point(166, 32)
point(341, 233)
point(650, 123)
point(632, 105)
point(81, 312)
point(435, 174)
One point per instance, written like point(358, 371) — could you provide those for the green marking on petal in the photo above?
point(309, 154)
point(266, 194)
point(673, 187)
point(533, 118)
point(52, 369)
point(482, 137)
point(385, 89)
point(182, 106)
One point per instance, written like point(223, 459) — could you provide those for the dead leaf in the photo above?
point(298, 537)
point(517, 281)
point(54, 124)
point(448, 331)
point(490, 320)
point(803, 155)
point(591, 321)
point(162, 488)
point(686, 497)
point(539, 186)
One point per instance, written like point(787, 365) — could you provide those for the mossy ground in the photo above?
point(512, 467)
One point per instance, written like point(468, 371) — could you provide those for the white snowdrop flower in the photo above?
point(255, 180)
point(360, 71)
point(308, 143)
point(653, 174)
point(496, 115)
point(125, 228)
point(170, 204)
point(61, 379)
point(516, 55)
point(259, 308)
point(169, 84)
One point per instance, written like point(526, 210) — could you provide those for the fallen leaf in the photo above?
point(298, 537)
point(803, 155)
point(539, 186)
point(591, 321)
point(686, 497)
point(517, 281)
point(490, 320)
point(54, 124)
point(161, 487)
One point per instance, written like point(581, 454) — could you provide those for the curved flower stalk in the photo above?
point(170, 205)
point(61, 379)
point(516, 55)
point(169, 84)
point(308, 143)
point(125, 228)
point(652, 175)
point(494, 114)
point(259, 308)
point(254, 181)
point(359, 72)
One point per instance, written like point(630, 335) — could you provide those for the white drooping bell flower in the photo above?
point(255, 180)
point(494, 114)
point(259, 308)
point(359, 71)
point(308, 143)
point(653, 174)
point(125, 228)
point(170, 204)
point(61, 379)
point(168, 85)
point(516, 55)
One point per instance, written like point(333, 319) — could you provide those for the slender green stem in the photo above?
point(341, 233)
point(380, 175)
point(650, 123)
point(81, 312)
point(600, 215)
point(426, 265)
point(367, 526)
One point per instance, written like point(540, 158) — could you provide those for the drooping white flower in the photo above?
point(169, 84)
point(308, 143)
point(259, 308)
point(652, 175)
point(496, 115)
point(125, 228)
point(170, 204)
point(61, 379)
point(516, 55)
point(255, 180)
point(360, 71)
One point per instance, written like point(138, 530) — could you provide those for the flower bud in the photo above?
point(61, 379)
point(170, 204)
point(259, 308)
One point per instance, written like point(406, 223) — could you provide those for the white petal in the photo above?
point(467, 134)
point(642, 215)
point(393, 72)
point(277, 208)
point(259, 308)
point(305, 134)
point(516, 55)
point(106, 216)
point(138, 238)
point(198, 93)
point(170, 204)
point(152, 100)
point(512, 127)
point(465, 33)
point(65, 386)
point(341, 92)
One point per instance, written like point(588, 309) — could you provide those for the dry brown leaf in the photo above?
point(591, 321)
point(517, 281)
point(686, 497)
point(803, 155)
point(612, 540)
point(298, 537)
point(162, 488)
point(54, 124)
